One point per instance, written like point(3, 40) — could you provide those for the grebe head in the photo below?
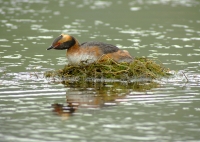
point(63, 42)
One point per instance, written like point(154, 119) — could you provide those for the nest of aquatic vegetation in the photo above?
point(141, 68)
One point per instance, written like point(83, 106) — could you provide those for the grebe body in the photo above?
point(89, 52)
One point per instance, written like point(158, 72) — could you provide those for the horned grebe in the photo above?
point(89, 51)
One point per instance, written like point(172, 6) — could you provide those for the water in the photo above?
point(166, 110)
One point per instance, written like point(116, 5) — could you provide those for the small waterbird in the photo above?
point(89, 52)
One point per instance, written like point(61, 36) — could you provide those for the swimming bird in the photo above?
point(89, 52)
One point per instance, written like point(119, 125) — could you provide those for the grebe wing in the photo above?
point(105, 48)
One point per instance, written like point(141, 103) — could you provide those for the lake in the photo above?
point(33, 108)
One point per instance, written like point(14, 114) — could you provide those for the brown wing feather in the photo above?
point(105, 48)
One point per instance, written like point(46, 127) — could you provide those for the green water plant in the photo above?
point(140, 68)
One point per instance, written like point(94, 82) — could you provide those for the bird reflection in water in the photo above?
point(92, 96)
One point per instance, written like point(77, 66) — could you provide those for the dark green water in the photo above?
point(167, 30)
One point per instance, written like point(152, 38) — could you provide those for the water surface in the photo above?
point(166, 110)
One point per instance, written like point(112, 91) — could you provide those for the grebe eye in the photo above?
point(55, 42)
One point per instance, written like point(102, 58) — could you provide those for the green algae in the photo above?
point(140, 68)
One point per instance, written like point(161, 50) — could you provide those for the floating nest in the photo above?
point(141, 68)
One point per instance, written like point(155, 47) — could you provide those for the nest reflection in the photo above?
point(90, 96)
